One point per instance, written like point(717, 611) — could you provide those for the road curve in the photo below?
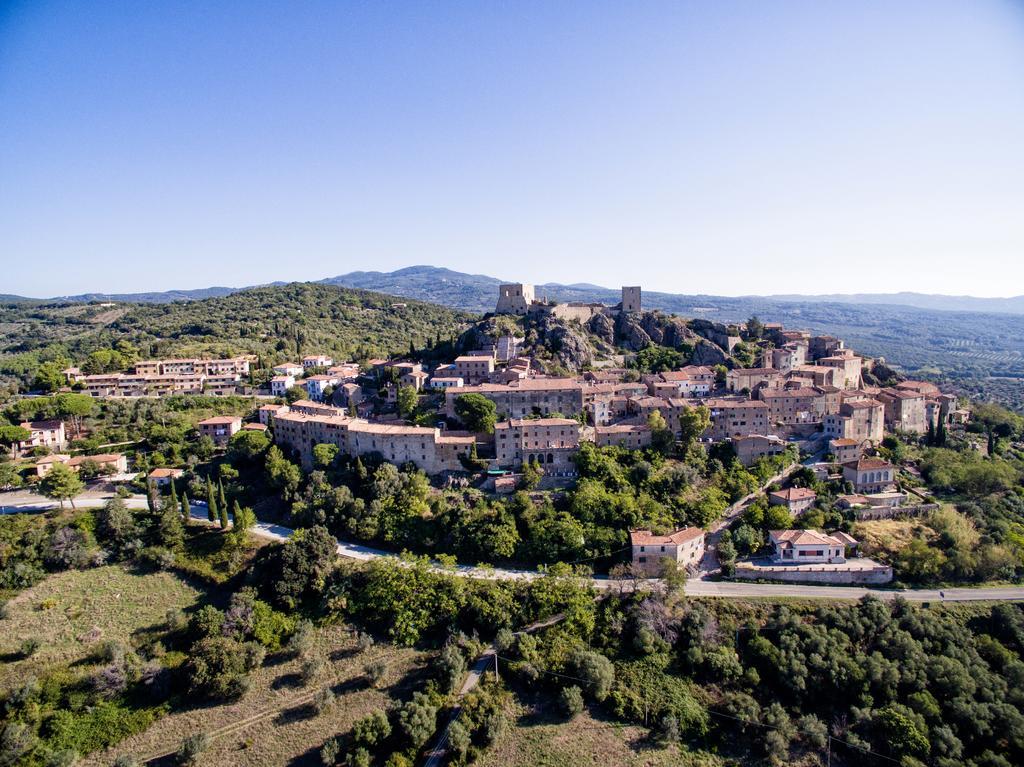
point(695, 588)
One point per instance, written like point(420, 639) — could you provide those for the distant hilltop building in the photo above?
point(519, 298)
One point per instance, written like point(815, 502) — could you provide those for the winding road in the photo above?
point(694, 587)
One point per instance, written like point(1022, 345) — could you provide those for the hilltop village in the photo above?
point(490, 416)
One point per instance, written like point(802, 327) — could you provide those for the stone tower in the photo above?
point(514, 298)
point(631, 299)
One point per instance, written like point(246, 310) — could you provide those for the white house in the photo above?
point(279, 385)
point(809, 546)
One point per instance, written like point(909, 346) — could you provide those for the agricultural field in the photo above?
point(276, 721)
point(71, 613)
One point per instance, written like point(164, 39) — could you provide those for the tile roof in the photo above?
point(647, 538)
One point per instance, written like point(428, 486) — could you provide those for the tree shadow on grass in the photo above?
point(295, 714)
point(289, 681)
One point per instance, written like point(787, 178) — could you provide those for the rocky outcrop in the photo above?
point(707, 353)
point(630, 334)
point(601, 325)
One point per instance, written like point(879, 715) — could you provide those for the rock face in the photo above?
point(707, 353)
point(570, 346)
point(630, 333)
point(601, 325)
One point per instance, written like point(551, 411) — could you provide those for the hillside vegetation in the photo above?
point(273, 322)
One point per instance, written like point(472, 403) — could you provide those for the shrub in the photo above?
point(324, 700)
point(364, 641)
point(330, 751)
point(30, 647)
point(312, 668)
point(191, 747)
point(375, 672)
point(451, 666)
point(126, 760)
point(570, 700)
point(372, 729)
point(302, 639)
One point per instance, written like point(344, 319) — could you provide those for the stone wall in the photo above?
point(834, 574)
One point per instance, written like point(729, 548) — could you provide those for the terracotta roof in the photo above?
point(809, 538)
point(161, 473)
point(220, 419)
point(868, 464)
point(647, 538)
point(537, 422)
point(845, 442)
point(254, 427)
point(794, 494)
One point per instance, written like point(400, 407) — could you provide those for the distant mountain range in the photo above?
point(477, 292)
point(960, 336)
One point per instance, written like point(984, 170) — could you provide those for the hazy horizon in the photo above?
point(731, 149)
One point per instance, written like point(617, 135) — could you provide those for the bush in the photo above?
point(30, 647)
point(372, 729)
point(364, 641)
point(324, 700)
point(330, 751)
point(126, 760)
point(301, 641)
point(191, 747)
point(451, 666)
point(312, 668)
point(596, 670)
point(375, 672)
point(570, 701)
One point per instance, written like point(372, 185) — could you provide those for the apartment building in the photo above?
point(736, 417)
point(529, 396)
point(427, 448)
point(474, 369)
point(220, 428)
point(861, 420)
point(548, 442)
point(749, 379)
point(795, 405)
point(905, 410)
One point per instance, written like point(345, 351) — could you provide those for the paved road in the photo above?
point(694, 587)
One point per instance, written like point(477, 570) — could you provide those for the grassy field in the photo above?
point(542, 738)
point(275, 722)
point(71, 612)
point(886, 537)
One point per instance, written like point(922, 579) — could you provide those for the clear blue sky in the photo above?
point(717, 147)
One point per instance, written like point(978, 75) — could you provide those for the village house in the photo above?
point(684, 548)
point(848, 365)
point(316, 361)
point(267, 412)
point(628, 435)
point(347, 371)
point(279, 385)
point(750, 379)
point(446, 382)
point(731, 418)
point(163, 477)
point(809, 546)
point(796, 499)
point(254, 426)
point(474, 369)
point(870, 475)
point(549, 442)
point(220, 428)
point(49, 434)
point(862, 420)
point(507, 348)
point(104, 463)
point(752, 447)
point(416, 379)
point(292, 369)
point(316, 386)
point(797, 405)
point(904, 410)
point(427, 448)
point(845, 450)
point(824, 346)
point(786, 357)
point(308, 407)
point(529, 396)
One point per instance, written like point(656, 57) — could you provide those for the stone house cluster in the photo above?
point(157, 378)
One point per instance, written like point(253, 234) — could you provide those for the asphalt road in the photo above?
point(696, 588)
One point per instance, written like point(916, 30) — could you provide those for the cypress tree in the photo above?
point(222, 499)
point(940, 436)
point(174, 496)
point(186, 509)
point(151, 497)
point(223, 517)
point(211, 501)
point(930, 438)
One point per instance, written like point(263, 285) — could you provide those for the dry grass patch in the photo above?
point(887, 537)
point(70, 612)
point(541, 738)
point(275, 722)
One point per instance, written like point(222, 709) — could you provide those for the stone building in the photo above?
point(549, 442)
point(683, 547)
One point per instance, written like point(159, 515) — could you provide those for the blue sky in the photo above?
point(718, 147)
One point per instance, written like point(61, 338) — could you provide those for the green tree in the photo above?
point(407, 400)
point(282, 474)
point(661, 435)
point(244, 519)
point(171, 529)
point(49, 377)
point(755, 328)
point(477, 412)
point(74, 407)
point(324, 455)
point(211, 502)
point(12, 435)
point(61, 484)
